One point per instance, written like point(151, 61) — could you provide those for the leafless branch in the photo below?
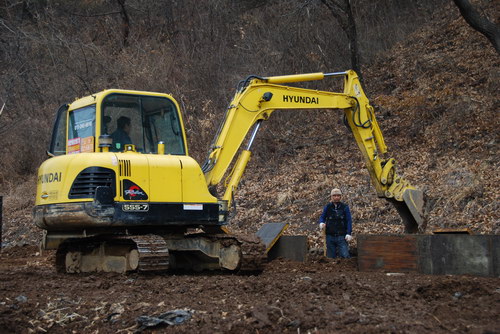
point(6, 26)
point(95, 15)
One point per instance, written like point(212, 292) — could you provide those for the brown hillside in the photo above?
point(437, 100)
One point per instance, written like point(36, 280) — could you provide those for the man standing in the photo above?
point(336, 218)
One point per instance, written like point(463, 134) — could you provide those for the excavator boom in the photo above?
point(258, 97)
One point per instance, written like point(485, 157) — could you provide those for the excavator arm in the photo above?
point(258, 97)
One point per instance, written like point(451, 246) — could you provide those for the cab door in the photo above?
point(58, 140)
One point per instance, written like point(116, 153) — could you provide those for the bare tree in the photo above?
point(342, 12)
point(479, 22)
point(169, 18)
point(125, 22)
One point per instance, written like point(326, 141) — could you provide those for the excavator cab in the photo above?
point(130, 145)
point(150, 121)
point(127, 118)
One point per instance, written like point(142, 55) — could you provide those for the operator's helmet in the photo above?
point(335, 191)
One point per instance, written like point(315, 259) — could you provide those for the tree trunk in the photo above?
point(352, 34)
point(125, 22)
point(479, 23)
point(342, 12)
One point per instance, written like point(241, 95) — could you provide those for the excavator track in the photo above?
point(71, 255)
point(150, 253)
point(153, 253)
point(253, 253)
point(238, 253)
point(146, 253)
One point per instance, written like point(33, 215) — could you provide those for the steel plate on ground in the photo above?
point(387, 253)
point(269, 233)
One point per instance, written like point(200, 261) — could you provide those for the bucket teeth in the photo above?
point(411, 210)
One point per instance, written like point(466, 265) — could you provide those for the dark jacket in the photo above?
point(334, 214)
point(120, 138)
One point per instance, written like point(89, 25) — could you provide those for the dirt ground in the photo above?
point(319, 296)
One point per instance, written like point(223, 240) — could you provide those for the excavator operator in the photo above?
point(121, 136)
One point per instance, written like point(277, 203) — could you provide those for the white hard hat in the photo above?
point(335, 191)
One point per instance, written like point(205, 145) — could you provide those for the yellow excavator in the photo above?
point(120, 193)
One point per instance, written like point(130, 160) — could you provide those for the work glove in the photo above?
point(321, 226)
point(348, 237)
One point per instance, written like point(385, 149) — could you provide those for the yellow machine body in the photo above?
point(165, 188)
point(166, 178)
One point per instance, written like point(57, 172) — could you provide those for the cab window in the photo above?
point(81, 131)
point(143, 121)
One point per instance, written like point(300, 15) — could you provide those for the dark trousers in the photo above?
point(336, 246)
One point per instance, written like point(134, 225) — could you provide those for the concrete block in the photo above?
point(495, 254)
point(455, 254)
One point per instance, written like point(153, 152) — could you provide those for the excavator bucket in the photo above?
point(411, 210)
